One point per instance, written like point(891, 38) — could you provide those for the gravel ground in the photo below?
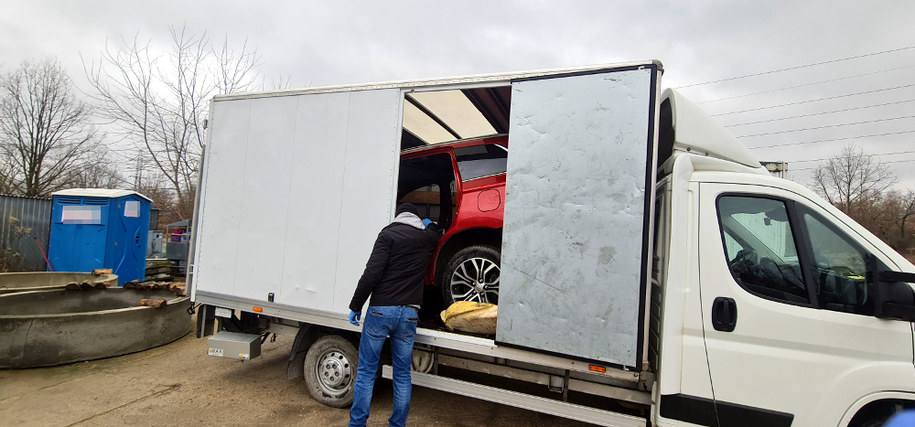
point(178, 384)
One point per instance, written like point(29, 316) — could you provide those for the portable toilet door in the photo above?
point(99, 228)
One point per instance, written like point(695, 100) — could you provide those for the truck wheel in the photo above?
point(330, 371)
point(472, 275)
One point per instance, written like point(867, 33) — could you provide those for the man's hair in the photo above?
point(407, 207)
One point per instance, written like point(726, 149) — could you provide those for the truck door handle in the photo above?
point(724, 314)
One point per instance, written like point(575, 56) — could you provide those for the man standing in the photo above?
point(394, 278)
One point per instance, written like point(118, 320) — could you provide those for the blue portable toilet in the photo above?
point(99, 228)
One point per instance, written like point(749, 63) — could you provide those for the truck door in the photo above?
point(787, 311)
point(576, 223)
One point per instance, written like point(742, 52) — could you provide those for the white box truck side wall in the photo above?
point(313, 176)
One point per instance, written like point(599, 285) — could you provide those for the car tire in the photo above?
point(330, 371)
point(472, 274)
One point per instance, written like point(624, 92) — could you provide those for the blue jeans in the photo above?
point(398, 321)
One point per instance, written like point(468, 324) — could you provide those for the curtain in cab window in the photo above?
point(760, 247)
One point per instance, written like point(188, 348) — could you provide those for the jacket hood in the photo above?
point(409, 219)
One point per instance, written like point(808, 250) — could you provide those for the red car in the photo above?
point(461, 186)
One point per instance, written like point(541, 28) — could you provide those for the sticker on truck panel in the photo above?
point(214, 352)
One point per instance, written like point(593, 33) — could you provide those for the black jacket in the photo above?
point(395, 270)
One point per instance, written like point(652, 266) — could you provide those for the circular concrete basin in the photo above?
point(40, 280)
point(53, 327)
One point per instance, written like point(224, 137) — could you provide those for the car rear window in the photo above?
point(480, 160)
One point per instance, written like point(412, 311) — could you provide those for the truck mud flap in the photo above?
point(206, 320)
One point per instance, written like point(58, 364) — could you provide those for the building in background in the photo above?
point(779, 169)
point(24, 230)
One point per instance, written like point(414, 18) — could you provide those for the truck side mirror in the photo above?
point(893, 294)
point(898, 301)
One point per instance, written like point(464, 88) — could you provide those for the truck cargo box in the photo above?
point(296, 185)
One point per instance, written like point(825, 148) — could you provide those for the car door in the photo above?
point(789, 332)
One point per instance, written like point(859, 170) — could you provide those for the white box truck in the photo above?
point(652, 272)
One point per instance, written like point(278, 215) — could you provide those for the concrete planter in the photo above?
point(42, 280)
point(53, 327)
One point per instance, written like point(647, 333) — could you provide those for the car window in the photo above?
point(480, 160)
point(760, 247)
point(841, 269)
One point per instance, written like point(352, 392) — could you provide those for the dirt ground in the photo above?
point(178, 384)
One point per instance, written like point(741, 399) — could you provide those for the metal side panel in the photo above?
point(521, 400)
point(262, 214)
point(575, 209)
point(216, 224)
point(296, 190)
point(369, 186)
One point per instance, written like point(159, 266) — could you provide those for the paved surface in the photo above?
point(178, 384)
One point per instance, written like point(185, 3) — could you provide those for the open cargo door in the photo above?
point(576, 229)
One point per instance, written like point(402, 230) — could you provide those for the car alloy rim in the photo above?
point(476, 279)
point(335, 373)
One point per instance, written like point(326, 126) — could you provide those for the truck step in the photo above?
point(521, 400)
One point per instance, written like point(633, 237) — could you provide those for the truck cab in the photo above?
point(773, 308)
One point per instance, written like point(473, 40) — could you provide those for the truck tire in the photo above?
point(330, 370)
point(472, 274)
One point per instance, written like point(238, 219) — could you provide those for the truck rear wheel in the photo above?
point(472, 275)
point(330, 371)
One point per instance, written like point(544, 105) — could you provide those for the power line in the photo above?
point(883, 163)
point(814, 100)
point(797, 67)
point(833, 139)
point(820, 113)
point(898, 161)
point(845, 157)
point(800, 86)
point(826, 127)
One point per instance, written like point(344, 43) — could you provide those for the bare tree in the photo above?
point(45, 130)
point(852, 179)
point(7, 173)
point(859, 185)
point(160, 103)
point(901, 209)
point(99, 173)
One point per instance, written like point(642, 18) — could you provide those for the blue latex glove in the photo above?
point(426, 222)
point(901, 419)
point(354, 317)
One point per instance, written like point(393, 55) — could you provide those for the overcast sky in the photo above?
point(326, 43)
